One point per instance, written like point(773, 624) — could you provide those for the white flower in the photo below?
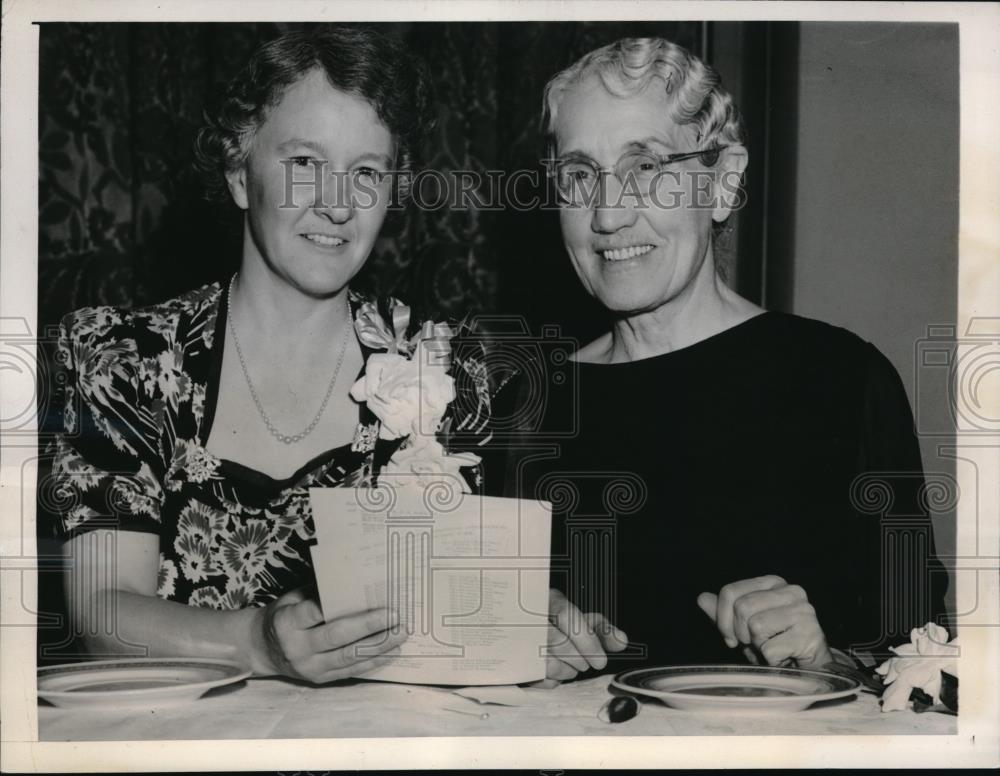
point(918, 666)
point(195, 556)
point(198, 402)
point(189, 456)
point(409, 397)
point(206, 597)
point(201, 464)
point(426, 463)
point(201, 521)
point(141, 492)
point(240, 593)
point(197, 528)
point(79, 515)
point(163, 376)
point(249, 549)
point(173, 382)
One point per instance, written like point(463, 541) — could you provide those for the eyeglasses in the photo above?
point(577, 178)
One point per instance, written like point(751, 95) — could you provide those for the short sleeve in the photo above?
point(106, 471)
point(899, 583)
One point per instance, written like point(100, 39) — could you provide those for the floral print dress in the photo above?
point(141, 388)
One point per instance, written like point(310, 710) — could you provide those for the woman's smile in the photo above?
point(633, 257)
point(625, 253)
point(325, 241)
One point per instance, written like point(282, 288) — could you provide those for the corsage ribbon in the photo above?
point(433, 339)
point(373, 331)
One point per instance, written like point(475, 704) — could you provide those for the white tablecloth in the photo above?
point(274, 708)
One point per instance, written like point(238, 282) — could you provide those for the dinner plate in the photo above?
point(127, 682)
point(731, 688)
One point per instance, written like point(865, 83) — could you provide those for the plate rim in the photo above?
point(619, 682)
point(240, 672)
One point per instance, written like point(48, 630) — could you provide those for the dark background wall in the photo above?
point(121, 217)
point(875, 242)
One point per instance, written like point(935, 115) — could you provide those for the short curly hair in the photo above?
point(627, 66)
point(356, 60)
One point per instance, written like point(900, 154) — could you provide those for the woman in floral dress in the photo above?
point(193, 428)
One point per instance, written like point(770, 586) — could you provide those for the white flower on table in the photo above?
point(918, 665)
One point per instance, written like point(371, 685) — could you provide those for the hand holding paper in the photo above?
point(295, 641)
point(469, 579)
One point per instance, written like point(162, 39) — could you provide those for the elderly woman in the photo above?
point(201, 422)
point(711, 516)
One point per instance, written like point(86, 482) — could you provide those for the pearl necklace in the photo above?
point(285, 438)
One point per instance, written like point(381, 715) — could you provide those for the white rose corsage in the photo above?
point(923, 665)
point(409, 388)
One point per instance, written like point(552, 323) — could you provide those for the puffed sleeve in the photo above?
point(898, 581)
point(106, 471)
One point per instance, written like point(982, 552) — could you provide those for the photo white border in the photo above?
point(979, 296)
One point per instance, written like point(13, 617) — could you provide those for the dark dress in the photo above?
point(780, 446)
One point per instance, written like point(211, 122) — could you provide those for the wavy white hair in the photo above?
point(627, 66)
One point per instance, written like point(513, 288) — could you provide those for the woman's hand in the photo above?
point(577, 641)
point(774, 617)
point(292, 639)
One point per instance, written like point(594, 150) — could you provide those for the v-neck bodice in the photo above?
point(142, 389)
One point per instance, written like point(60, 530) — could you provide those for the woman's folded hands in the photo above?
point(292, 639)
point(771, 618)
